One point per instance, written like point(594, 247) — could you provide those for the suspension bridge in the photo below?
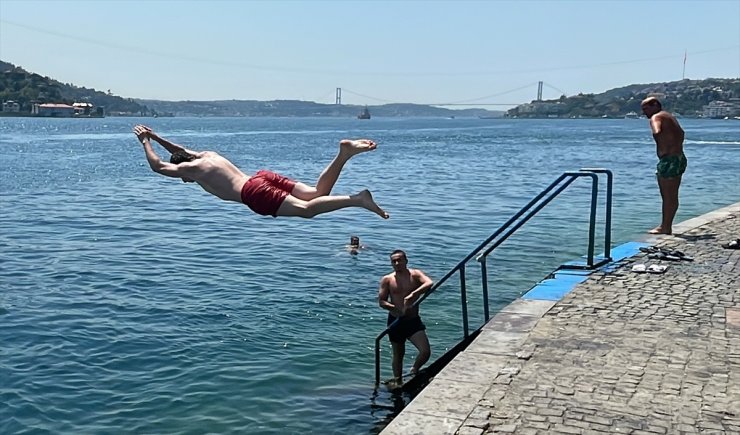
point(478, 101)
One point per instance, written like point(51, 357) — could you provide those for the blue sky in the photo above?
point(378, 52)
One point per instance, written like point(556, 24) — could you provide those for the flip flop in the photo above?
point(649, 249)
point(677, 253)
point(657, 268)
point(735, 244)
point(663, 256)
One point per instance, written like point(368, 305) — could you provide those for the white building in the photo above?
point(53, 110)
point(718, 109)
point(83, 108)
point(11, 106)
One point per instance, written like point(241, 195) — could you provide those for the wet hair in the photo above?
point(398, 251)
point(181, 156)
point(354, 241)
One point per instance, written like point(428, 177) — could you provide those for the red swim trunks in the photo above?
point(265, 191)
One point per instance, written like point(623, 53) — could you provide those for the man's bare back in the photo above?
point(667, 133)
point(218, 176)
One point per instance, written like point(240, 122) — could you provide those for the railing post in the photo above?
point(608, 214)
point(464, 300)
point(592, 221)
point(377, 361)
point(484, 277)
point(608, 223)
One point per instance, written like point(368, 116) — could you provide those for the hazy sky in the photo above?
point(378, 52)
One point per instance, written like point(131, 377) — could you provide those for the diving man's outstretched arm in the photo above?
point(155, 162)
point(169, 146)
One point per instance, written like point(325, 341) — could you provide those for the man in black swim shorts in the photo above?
point(398, 292)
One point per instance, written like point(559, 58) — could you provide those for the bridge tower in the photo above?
point(338, 100)
point(539, 91)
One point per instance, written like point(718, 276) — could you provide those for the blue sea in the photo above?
point(134, 303)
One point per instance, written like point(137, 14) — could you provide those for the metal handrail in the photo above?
point(569, 178)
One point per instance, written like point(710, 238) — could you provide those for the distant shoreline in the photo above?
point(31, 115)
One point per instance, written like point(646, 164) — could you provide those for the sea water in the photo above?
point(134, 303)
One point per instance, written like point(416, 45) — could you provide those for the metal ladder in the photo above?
point(509, 228)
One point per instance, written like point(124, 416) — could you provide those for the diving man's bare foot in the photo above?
point(367, 202)
point(659, 230)
point(352, 147)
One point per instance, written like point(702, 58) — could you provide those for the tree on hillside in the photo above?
point(27, 88)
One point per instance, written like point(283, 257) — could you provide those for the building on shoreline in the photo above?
point(55, 110)
point(59, 110)
point(721, 109)
point(11, 106)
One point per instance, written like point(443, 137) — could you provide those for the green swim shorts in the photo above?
point(671, 166)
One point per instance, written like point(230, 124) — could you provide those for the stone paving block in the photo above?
point(504, 428)
point(530, 307)
point(469, 430)
point(512, 322)
point(448, 398)
point(473, 367)
point(497, 343)
point(421, 424)
point(733, 317)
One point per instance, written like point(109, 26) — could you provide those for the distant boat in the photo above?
point(365, 114)
point(631, 115)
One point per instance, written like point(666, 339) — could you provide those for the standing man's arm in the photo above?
point(656, 124)
point(425, 283)
point(383, 294)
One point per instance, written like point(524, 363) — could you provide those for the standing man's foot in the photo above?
point(351, 147)
point(395, 384)
point(367, 202)
point(659, 230)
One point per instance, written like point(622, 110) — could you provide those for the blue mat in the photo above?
point(562, 281)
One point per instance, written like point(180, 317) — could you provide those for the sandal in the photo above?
point(661, 255)
point(735, 244)
point(649, 249)
point(680, 255)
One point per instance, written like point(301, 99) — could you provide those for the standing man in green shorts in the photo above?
point(668, 136)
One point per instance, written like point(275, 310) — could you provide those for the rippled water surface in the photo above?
point(133, 303)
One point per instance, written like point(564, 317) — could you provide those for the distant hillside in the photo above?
point(287, 108)
point(686, 97)
point(27, 88)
